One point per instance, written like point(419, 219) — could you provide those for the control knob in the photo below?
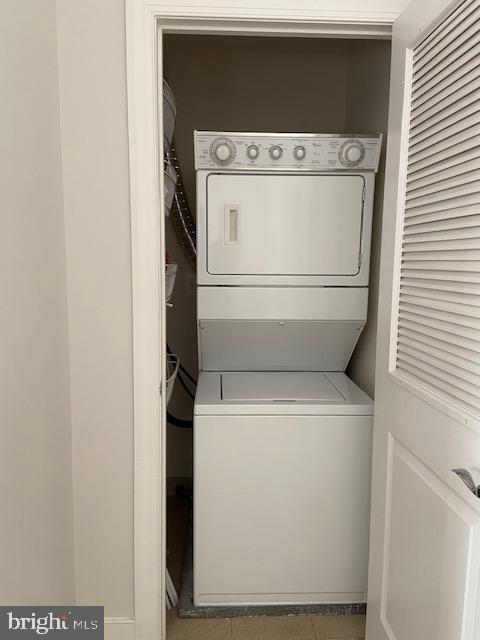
point(275, 152)
point(253, 151)
point(222, 151)
point(299, 152)
point(351, 153)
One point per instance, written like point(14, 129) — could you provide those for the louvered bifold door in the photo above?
point(438, 336)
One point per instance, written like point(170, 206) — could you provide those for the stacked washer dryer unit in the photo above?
point(282, 437)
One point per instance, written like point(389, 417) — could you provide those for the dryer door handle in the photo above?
point(232, 225)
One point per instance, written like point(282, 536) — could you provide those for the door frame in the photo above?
point(145, 23)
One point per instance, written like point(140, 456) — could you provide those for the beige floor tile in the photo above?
point(273, 628)
point(339, 627)
point(197, 628)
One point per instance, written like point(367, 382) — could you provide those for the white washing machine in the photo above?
point(282, 437)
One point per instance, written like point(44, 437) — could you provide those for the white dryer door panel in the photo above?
point(284, 225)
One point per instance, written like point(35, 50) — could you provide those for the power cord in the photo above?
point(172, 419)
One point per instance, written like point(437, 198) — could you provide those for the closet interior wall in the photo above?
point(368, 87)
point(235, 83)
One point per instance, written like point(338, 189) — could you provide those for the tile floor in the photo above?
point(312, 627)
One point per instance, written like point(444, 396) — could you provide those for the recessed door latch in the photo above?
point(468, 480)
point(232, 225)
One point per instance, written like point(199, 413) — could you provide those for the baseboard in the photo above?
point(119, 629)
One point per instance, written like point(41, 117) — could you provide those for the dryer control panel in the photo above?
point(287, 151)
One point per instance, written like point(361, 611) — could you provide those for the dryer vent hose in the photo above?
point(181, 215)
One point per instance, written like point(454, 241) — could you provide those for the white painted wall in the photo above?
point(91, 45)
point(36, 535)
point(367, 110)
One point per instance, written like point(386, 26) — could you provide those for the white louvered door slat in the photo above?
point(455, 217)
point(455, 207)
point(431, 137)
point(459, 228)
point(434, 276)
point(454, 137)
point(450, 341)
point(435, 119)
point(467, 186)
point(439, 292)
point(449, 165)
point(460, 65)
point(450, 23)
point(447, 43)
point(434, 245)
point(468, 145)
point(446, 178)
point(430, 322)
point(416, 280)
point(449, 63)
point(446, 95)
point(445, 355)
point(443, 81)
point(439, 342)
point(438, 335)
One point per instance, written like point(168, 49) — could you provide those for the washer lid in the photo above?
point(278, 386)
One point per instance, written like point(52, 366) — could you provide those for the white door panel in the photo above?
point(425, 523)
point(265, 224)
point(424, 567)
point(429, 534)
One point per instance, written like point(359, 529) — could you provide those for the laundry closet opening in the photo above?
point(266, 85)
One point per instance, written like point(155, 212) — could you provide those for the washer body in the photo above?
point(282, 489)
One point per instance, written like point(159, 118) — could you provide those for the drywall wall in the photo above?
point(91, 50)
point(239, 84)
point(368, 82)
point(36, 536)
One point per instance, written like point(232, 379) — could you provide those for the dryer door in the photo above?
point(284, 225)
